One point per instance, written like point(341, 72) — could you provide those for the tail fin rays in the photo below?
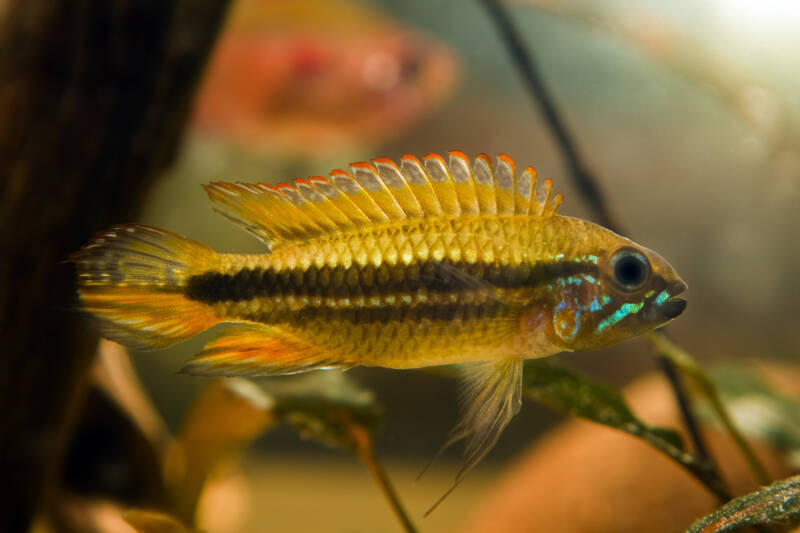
point(132, 277)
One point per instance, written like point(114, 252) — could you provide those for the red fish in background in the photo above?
point(318, 75)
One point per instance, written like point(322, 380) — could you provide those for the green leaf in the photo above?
point(759, 410)
point(332, 409)
point(566, 390)
point(777, 504)
point(324, 406)
point(689, 367)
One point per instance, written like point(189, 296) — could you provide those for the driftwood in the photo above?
point(93, 97)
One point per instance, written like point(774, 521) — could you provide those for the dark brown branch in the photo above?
point(584, 179)
point(93, 97)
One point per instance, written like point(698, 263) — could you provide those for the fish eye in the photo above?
point(631, 269)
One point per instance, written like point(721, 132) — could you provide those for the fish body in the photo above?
point(421, 264)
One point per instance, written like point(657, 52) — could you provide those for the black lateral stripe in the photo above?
point(386, 314)
point(369, 280)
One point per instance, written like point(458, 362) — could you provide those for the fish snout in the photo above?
point(674, 306)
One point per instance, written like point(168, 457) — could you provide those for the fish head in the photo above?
point(630, 290)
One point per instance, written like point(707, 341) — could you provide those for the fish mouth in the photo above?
point(674, 306)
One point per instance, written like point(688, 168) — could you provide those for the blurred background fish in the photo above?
point(304, 76)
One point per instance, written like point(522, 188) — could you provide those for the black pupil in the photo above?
point(629, 271)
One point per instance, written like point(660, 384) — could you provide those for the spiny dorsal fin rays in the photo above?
point(349, 186)
point(366, 176)
point(492, 395)
point(484, 184)
point(381, 192)
point(505, 179)
point(442, 183)
point(399, 187)
point(339, 201)
point(330, 216)
point(464, 182)
point(420, 185)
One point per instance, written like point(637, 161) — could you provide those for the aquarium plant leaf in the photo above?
point(758, 409)
point(331, 409)
point(223, 420)
point(323, 406)
point(777, 504)
point(561, 388)
point(144, 521)
point(690, 368)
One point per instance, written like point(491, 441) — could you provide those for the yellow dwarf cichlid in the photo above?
point(426, 263)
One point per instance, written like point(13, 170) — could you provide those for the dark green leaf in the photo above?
point(324, 406)
point(564, 389)
point(777, 504)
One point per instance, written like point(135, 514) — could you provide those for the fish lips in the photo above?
point(674, 306)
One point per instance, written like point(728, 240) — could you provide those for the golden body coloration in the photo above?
point(425, 263)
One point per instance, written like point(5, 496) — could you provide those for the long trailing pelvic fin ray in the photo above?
point(491, 394)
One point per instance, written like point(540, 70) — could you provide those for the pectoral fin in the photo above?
point(491, 395)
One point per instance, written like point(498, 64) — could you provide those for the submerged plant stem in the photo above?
point(687, 364)
point(366, 453)
point(587, 185)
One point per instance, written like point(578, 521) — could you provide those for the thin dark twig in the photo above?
point(674, 378)
point(584, 180)
point(526, 64)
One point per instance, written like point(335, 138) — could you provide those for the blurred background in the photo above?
point(688, 113)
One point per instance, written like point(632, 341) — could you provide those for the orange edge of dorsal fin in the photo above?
point(382, 191)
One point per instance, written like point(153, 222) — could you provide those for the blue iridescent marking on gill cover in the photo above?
point(662, 297)
point(563, 324)
point(623, 311)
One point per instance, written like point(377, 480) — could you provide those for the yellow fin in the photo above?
point(259, 350)
point(131, 277)
point(439, 177)
point(492, 395)
point(464, 182)
point(382, 191)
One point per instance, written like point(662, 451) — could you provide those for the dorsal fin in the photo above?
point(382, 191)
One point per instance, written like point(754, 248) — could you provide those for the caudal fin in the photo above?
point(132, 278)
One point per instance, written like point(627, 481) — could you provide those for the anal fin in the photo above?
point(259, 350)
point(491, 394)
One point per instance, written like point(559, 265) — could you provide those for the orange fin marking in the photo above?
point(259, 350)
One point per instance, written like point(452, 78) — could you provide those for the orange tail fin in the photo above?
point(131, 277)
